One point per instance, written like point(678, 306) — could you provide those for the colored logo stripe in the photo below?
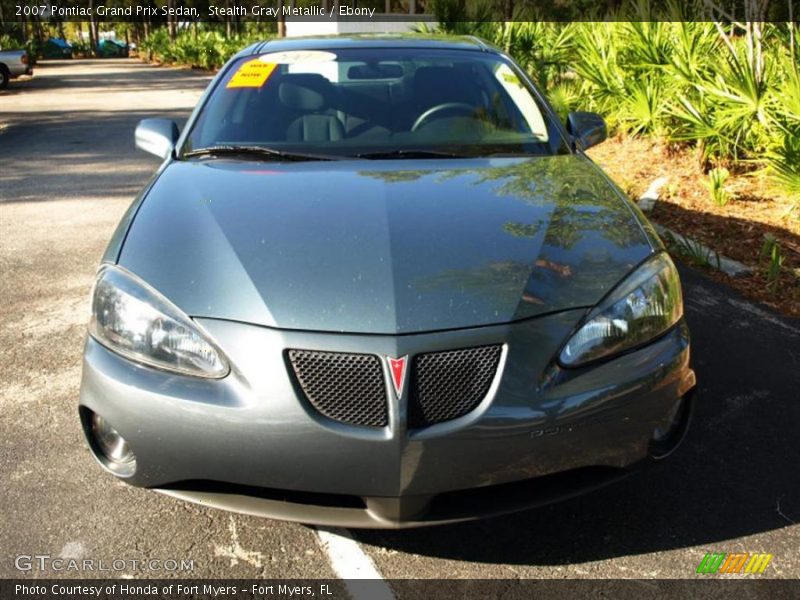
point(734, 562)
point(711, 562)
point(720, 562)
point(758, 563)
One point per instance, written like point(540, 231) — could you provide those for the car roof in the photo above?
point(383, 40)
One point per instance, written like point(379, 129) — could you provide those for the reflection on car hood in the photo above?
point(383, 246)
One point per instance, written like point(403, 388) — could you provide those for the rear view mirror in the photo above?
point(587, 128)
point(375, 71)
point(157, 136)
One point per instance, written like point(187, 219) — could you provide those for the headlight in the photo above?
point(134, 320)
point(643, 307)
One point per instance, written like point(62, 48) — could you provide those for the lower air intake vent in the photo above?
point(344, 387)
point(448, 385)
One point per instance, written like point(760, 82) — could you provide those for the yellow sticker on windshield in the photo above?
point(252, 74)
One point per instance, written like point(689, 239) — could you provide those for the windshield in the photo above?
point(375, 103)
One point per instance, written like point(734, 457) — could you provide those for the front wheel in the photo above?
point(4, 77)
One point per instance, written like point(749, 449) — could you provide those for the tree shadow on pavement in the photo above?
point(736, 474)
point(123, 75)
point(80, 154)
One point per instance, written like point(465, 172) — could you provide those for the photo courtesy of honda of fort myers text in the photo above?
point(189, 589)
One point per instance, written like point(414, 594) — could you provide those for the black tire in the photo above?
point(4, 77)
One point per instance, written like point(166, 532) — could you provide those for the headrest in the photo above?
point(306, 92)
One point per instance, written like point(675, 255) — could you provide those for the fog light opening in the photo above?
point(113, 450)
point(669, 435)
point(663, 432)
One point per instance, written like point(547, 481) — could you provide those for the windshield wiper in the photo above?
point(410, 153)
point(263, 152)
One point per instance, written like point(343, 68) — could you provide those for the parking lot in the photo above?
point(69, 171)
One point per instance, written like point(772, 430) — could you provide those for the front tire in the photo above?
point(4, 77)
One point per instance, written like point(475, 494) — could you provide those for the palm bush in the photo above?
point(784, 154)
point(784, 162)
point(545, 50)
point(731, 90)
point(205, 49)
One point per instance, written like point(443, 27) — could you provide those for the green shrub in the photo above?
point(731, 90)
point(716, 186)
point(81, 48)
point(8, 42)
point(205, 49)
point(772, 254)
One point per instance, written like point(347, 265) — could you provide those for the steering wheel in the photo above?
point(435, 112)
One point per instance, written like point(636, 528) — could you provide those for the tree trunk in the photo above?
point(37, 22)
point(92, 30)
point(281, 20)
point(508, 10)
point(171, 24)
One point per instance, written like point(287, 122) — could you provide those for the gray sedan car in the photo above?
point(376, 282)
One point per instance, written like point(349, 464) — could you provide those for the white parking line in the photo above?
point(351, 564)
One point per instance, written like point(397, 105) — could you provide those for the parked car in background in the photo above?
point(13, 63)
point(112, 49)
point(57, 48)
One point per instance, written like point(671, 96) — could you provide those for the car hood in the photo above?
point(383, 247)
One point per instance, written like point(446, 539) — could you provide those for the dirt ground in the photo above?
point(738, 230)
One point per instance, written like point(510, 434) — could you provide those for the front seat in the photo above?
point(310, 94)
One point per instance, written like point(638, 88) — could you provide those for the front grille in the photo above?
point(343, 387)
point(448, 385)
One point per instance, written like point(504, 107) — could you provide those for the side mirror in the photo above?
point(157, 136)
point(587, 128)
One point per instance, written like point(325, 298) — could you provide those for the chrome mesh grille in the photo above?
point(344, 387)
point(448, 385)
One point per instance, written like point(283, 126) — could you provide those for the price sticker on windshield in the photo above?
point(252, 74)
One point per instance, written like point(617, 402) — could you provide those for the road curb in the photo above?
point(703, 253)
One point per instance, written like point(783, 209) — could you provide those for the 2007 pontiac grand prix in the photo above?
point(376, 282)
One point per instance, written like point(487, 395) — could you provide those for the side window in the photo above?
point(522, 99)
point(497, 103)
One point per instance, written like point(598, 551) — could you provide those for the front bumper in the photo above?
point(248, 443)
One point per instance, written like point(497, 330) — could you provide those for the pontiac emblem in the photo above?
point(397, 368)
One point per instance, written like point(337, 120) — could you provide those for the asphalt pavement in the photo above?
point(68, 171)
